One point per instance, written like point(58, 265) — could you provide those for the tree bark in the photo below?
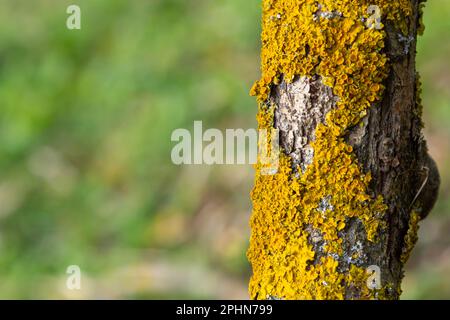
point(340, 218)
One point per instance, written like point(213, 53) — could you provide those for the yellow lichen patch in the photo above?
point(283, 208)
point(335, 172)
point(281, 255)
point(411, 238)
point(418, 110)
point(303, 38)
point(279, 249)
point(421, 27)
point(297, 40)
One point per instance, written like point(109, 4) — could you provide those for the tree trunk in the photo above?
point(340, 217)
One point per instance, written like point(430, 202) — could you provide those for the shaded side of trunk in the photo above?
point(340, 217)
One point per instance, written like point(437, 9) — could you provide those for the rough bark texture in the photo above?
point(391, 146)
point(301, 106)
point(388, 143)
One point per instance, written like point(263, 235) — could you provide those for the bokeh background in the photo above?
point(85, 172)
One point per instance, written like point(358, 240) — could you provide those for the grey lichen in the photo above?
point(406, 41)
point(326, 14)
point(325, 205)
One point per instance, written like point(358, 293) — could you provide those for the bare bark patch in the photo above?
point(300, 107)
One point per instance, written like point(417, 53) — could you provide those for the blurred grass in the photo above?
point(428, 271)
point(85, 172)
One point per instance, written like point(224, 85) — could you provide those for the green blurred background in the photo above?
point(85, 173)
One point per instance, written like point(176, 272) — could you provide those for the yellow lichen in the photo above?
point(418, 110)
point(421, 26)
point(298, 41)
point(411, 237)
